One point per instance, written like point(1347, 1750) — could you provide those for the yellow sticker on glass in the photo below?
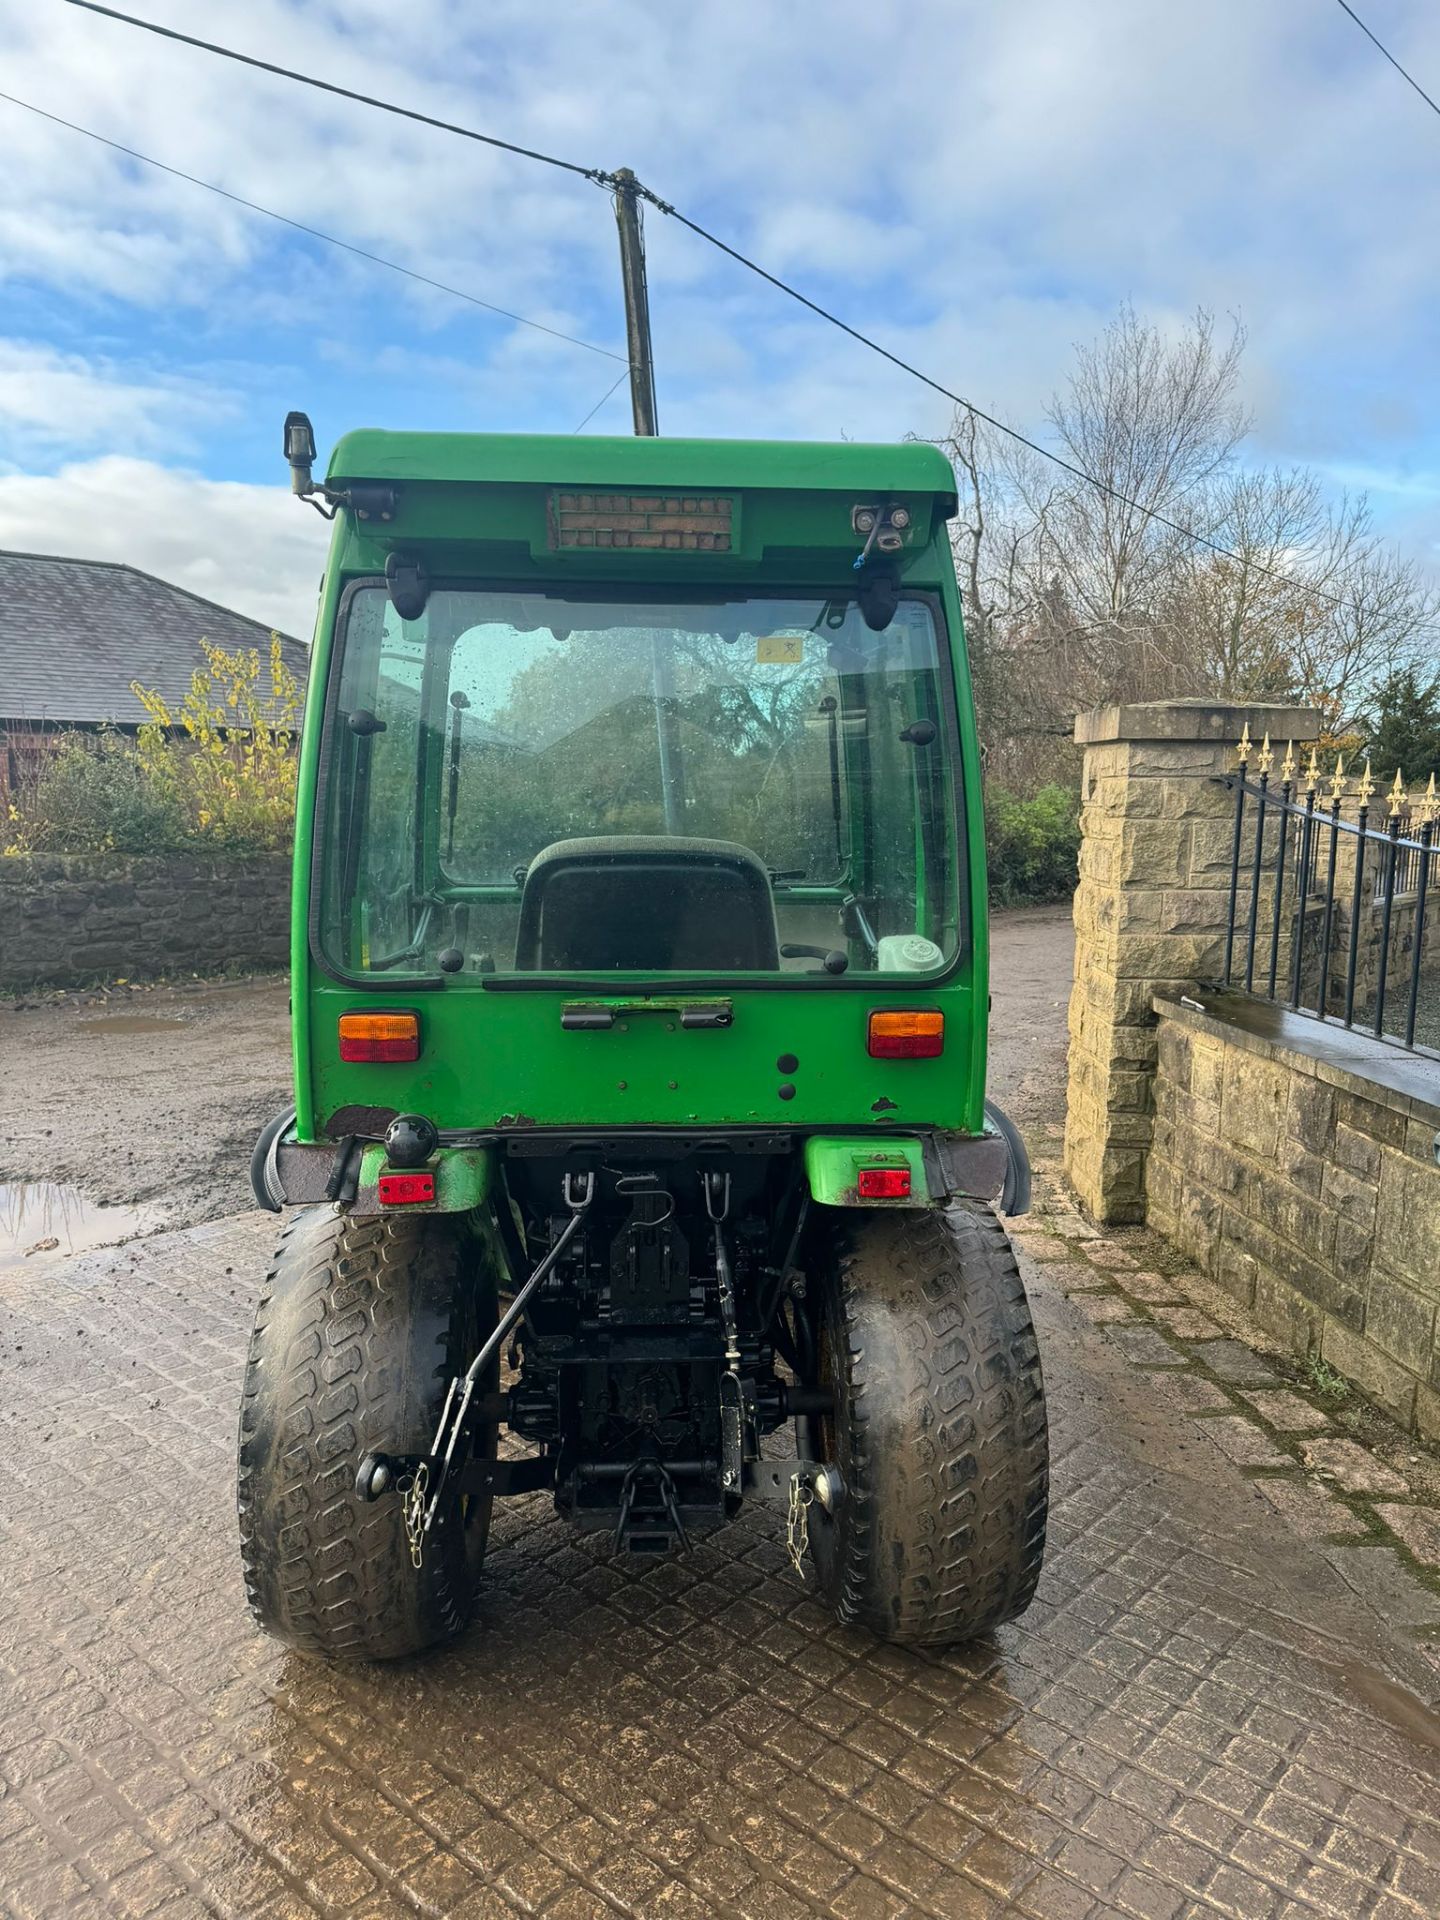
point(780, 649)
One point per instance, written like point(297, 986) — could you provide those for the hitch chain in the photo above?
point(797, 1521)
point(414, 1514)
point(419, 1513)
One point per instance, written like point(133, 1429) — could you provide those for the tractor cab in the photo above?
point(640, 980)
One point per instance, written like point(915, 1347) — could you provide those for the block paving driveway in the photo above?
point(1222, 1701)
point(1213, 1707)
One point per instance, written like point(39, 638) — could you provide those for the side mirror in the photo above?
point(300, 452)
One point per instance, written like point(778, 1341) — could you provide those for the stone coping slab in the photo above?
point(1409, 1083)
point(1209, 720)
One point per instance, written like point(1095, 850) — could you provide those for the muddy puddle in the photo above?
point(43, 1220)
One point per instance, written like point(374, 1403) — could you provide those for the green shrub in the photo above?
point(218, 776)
point(1033, 845)
point(228, 757)
point(94, 795)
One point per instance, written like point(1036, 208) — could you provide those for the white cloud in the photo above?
point(255, 549)
point(55, 402)
point(977, 185)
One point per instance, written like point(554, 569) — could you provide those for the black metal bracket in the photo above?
point(770, 1481)
point(649, 1527)
point(407, 579)
point(382, 1473)
point(504, 1477)
point(369, 500)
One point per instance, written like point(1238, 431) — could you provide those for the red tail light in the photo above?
point(379, 1036)
point(406, 1189)
point(906, 1036)
point(884, 1183)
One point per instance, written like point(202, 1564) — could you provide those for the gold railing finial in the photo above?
point(1266, 758)
point(1338, 783)
point(1312, 771)
point(1399, 801)
point(1246, 746)
point(1366, 789)
point(1430, 805)
point(1287, 765)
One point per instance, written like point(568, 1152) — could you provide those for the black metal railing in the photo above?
point(1347, 937)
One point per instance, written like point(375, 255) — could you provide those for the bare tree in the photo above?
point(1081, 590)
point(1228, 616)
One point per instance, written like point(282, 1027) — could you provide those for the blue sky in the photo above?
point(979, 184)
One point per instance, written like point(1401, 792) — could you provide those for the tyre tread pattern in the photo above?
point(943, 1439)
point(358, 1331)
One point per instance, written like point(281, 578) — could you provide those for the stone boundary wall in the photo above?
point(67, 920)
point(1157, 829)
point(1308, 1190)
point(1368, 949)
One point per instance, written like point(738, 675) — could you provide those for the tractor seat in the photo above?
point(640, 902)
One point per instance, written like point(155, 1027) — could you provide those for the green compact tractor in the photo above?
point(640, 1005)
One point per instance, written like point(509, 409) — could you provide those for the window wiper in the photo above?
point(829, 706)
point(458, 704)
point(857, 924)
point(416, 945)
point(364, 725)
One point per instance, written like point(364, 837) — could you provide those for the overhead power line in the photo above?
point(601, 178)
point(600, 402)
point(299, 226)
point(1408, 78)
point(1056, 459)
point(343, 93)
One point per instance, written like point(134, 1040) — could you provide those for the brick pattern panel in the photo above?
point(662, 523)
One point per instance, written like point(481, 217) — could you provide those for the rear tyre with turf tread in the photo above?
point(360, 1328)
point(939, 1429)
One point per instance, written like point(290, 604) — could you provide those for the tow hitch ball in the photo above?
point(373, 1477)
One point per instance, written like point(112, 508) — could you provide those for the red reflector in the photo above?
point(884, 1183)
point(406, 1189)
point(379, 1036)
point(906, 1036)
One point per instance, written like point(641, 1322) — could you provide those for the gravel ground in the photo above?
point(1032, 956)
point(153, 1096)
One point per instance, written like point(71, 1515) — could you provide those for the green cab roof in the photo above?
point(596, 460)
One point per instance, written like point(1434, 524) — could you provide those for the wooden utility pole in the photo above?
point(637, 303)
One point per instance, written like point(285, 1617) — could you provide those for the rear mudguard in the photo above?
point(1015, 1194)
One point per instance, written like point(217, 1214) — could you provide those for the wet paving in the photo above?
point(49, 1219)
point(1208, 1710)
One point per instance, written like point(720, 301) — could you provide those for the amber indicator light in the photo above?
point(379, 1036)
point(906, 1036)
point(884, 1183)
point(406, 1189)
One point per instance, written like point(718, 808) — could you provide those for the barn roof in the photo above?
point(75, 633)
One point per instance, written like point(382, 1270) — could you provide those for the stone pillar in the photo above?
point(1150, 910)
